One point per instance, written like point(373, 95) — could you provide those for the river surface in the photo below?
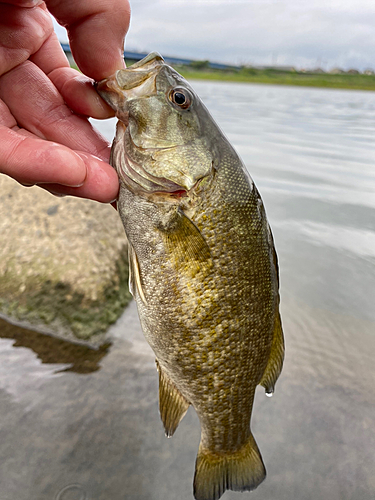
point(89, 429)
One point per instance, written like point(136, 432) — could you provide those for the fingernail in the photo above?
point(60, 195)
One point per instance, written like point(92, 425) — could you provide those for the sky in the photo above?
point(300, 33)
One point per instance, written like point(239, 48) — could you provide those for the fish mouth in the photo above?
point(109, 90)
point(135, 81)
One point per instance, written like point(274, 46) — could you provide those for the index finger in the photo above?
point(96, 31)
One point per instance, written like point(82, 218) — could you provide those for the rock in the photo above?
point(63, 263)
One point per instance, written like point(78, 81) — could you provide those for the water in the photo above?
point(74, 425)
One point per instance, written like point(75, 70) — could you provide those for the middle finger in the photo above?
point(38, 107)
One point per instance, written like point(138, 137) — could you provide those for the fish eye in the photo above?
point(180, 97)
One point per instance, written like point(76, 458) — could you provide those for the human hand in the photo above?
point(45, 136)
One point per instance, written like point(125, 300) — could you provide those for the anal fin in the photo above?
point(172, 404)
point(276, 359)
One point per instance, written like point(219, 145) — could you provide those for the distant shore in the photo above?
point(326, 80)
point(275, 77)
point(279, 77)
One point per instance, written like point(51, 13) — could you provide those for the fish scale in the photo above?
point(203, 268)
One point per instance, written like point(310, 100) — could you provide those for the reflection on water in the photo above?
point(79, 358)
point(311, 153)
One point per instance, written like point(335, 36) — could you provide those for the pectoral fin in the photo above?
point(188, 248)
point(172, 404)
point(135, 284)
point(275, 361)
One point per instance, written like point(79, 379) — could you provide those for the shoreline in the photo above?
point(344, 82)
point(272, 77)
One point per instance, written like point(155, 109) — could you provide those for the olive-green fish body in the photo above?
point(203, 268)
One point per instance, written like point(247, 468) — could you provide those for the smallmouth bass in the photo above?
point(203, 267)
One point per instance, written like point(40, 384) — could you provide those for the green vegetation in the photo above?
point(55, 304)
point(200, 70)
point(275, 77)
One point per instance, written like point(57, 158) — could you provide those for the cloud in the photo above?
point(60, 31)
point(304, 33)
point(258, 31)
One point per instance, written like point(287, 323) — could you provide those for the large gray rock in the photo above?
point(63, 263)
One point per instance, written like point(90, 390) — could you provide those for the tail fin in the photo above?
point(242, 470)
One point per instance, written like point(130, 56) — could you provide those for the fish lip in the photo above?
point(125, 84)
point(154, 59)
point(139, 73)
point(117, 97)
point(109, 91)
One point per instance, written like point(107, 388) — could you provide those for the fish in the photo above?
point(203, 267)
